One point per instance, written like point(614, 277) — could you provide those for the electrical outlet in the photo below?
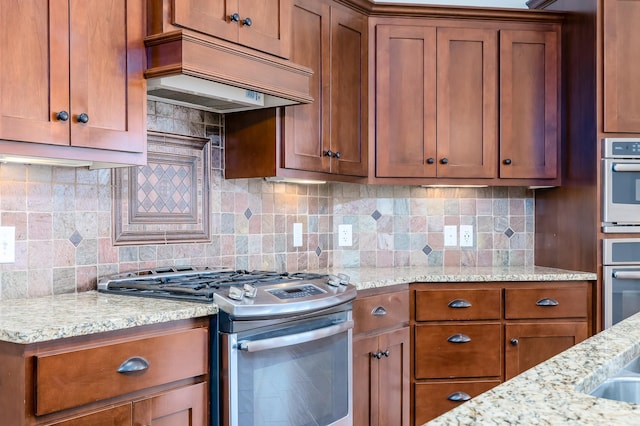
point(466, 236)
point(450, 235)
point(345, 237)
point(297, 235)
point(7, 244)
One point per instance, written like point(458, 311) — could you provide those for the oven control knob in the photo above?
point(250, 291)
point(333, 280)
point(344, 279)
point(236, 293)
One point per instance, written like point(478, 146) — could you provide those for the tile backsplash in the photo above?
point(64, 224)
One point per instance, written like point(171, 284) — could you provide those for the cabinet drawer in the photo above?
point(546, 303)
point(380, 311)
point(70, 379)
point(477, 354)
point(444, 305)
point(433, 399)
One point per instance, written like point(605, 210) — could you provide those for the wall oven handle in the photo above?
point(294, 339)
point(626, 167)
point(626, 275)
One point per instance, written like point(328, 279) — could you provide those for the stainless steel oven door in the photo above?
point(621, 293)
point(621, 191)
point(297, 373)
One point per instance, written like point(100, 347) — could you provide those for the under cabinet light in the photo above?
point(454, 186)
point(4, 158)
point(294, 180)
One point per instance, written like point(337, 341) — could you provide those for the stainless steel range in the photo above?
point(283, 351)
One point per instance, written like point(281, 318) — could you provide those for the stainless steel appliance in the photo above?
point(621, 279)
point(621, 185)
point(283, 345)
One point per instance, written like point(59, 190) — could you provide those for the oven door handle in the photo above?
point(294, 339)
point(626, 275)
point(626, 167)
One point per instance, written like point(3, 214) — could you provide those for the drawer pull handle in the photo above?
point(380, 311)
point(459, 397)
point(459, 304)
point(459, 338)
point(133, 364)
point(547, 301)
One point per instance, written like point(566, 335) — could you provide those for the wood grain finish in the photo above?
point(91, 374)
point(530, 303)
point(391, 308)
point(439, 305)
point(185, 406)
point(119, 415)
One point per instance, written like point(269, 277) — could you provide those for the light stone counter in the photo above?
point(48, 318)
point(366, 278)
point(555, 391)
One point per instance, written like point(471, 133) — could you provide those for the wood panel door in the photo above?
point(34, 71)
point(118, 415)
point(405, 101)
point(529, 127)
point(528, 344)
point(467, 102)
point(621, 64)
point(186, 406)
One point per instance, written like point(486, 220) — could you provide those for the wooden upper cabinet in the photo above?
point(405, 101)
point(436, 96)
point(71, 75)
point(621, 64)
point(263, 25)
point(529, 125)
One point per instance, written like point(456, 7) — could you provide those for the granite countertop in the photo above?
point(36, 320)
point(555, 392)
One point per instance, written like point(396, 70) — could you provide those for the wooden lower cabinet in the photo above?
point(148, 375)
point(381, 355)
point(469, 337)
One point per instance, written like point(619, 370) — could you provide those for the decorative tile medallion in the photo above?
point(166, 201)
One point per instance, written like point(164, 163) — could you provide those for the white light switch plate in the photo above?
point(7, 244)
point(450, 235)
point(297, 235)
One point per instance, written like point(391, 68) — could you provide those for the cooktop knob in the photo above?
point(250, 291)
point(236, 293)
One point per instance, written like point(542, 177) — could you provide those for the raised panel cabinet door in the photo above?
point(34, 71)
point(306, 128)
point(621, 64)
point(405, 101)
point(529, 128)
point(528, 344)
point(348, 92)
point(394, 378)
point(213, 17)
point(118, 415)
point(185, 406)
point(265, 25)
point(467, 102)
point(365, 379)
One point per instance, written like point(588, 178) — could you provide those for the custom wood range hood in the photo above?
point(188, 66)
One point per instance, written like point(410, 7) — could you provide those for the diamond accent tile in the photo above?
point(509, 232)
point(427, 250)
point(75, 238)
point(376, 215)
point(248, 214)
point(318, 251)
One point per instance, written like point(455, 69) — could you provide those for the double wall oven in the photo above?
point(281, 353)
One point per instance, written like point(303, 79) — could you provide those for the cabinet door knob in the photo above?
point(547, 301)
point(444, 160)
point(247, 22)
point(459, 338)
point(133, 364)
point(459, 397)
point(459, 304)
point(83, 118)
point(514, 341)
point(234, 17)
point(430, 160)
point(507, 161)
point(379, 311)
point(328, 153)
point(62, 116)
point(336, 154)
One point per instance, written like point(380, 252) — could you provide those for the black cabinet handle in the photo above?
point(380, 311)
point(133, 364)
point(459, 338)
point(444, 160)
point(459, 304)
point(234, 17)
point(514, 341)
point(247, 22)
point(62, 116)
point(380, 354)
point(336, 154)
point(328, 153)
point(430, 160)
point(547, 301)
point(507, 161)
point(83, 118)
point(459, 397)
